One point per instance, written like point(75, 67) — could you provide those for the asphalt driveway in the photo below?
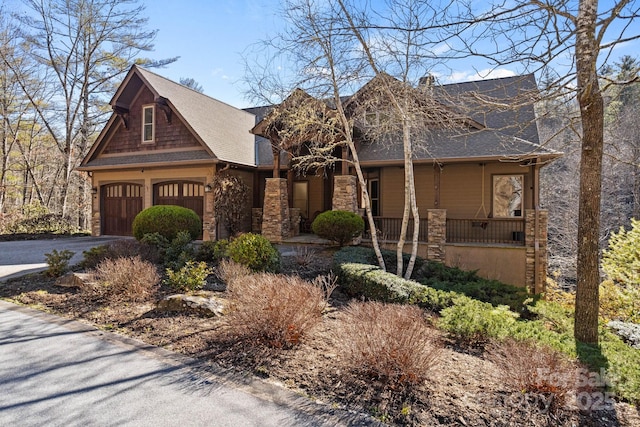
point(27, 256)
point(58, 372)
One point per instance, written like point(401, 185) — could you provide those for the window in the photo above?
point(301, 197)
point(507, 195)
point(371, 119)
point(374, 195)
point(148, 124)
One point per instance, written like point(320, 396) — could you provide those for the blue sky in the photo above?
point(210, 37)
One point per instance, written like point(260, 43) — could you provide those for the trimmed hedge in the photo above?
point(168, 221)
point(338, 226)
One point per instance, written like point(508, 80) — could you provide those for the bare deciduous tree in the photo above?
point(576, 36)
point(80, 48)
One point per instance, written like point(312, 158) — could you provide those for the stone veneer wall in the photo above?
point(276, 222)
point(345, 193)
point(95, 214)
point(540, 263)
point(256, 220)
point(436, 234)
point(294, 222)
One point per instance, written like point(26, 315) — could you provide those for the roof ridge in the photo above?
point(188, 88)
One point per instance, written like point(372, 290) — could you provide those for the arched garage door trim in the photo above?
point(120, 203)
point(188, 194)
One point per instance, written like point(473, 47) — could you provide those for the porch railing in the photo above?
point(487, 230)
point(389, 229)
point(509, 231)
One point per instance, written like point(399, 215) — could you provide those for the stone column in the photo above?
point(209, 223)
point(436, 234)
point(95, 212)
point(536, 250)
point(345, 193)
point(275, 214)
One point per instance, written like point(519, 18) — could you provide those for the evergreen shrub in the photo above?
point(213, 251)
point(168, 221)
point(338, 226)
point(256, 252)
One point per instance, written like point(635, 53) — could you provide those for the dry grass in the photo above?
point(541, 375)
point(305, 256)
point(273, 310)
point(229, 271)
point(128, 279)
point(388, 342)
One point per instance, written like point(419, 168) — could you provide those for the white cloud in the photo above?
point(485, 74)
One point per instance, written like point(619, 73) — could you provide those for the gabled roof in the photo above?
point(222, 129)
point(503, 104)
point(500, 125)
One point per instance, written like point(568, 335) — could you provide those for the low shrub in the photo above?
point(189, 277)
point(359, 279)
point(538, 374)
point(273, 310)
point(58, 262)
point(475, 321)
point(338, 226)
point(387, 342)
point(168, 221)
point(125, 279)
point(491, 291)
point(179, 251)
point(44, 223)
point(619, 301)
point(255, 252)
point(228, 271)
point(125, 248)
point(213, 251)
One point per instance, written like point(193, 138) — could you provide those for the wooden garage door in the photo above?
point(180, 193)
point(121, 203)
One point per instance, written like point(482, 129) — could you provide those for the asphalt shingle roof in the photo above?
point(223, 128)
point(193, 156)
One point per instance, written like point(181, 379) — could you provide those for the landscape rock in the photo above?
point(74, 280)
point(207, 306)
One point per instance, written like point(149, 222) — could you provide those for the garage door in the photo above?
point(120, 204)
point(187, 194)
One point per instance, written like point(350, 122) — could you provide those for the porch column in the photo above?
point(275, 214)
point(436, 234)
point(536, 249)
point(345, 193)
point(209, 224)
point(95, 210)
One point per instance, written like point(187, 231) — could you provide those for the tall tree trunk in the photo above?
point(592, 115)
point(406, 144)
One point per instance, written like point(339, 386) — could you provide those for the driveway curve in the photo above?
point(21, 257)
point(59, 372)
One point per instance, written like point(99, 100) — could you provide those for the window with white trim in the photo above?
point(148, 124)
